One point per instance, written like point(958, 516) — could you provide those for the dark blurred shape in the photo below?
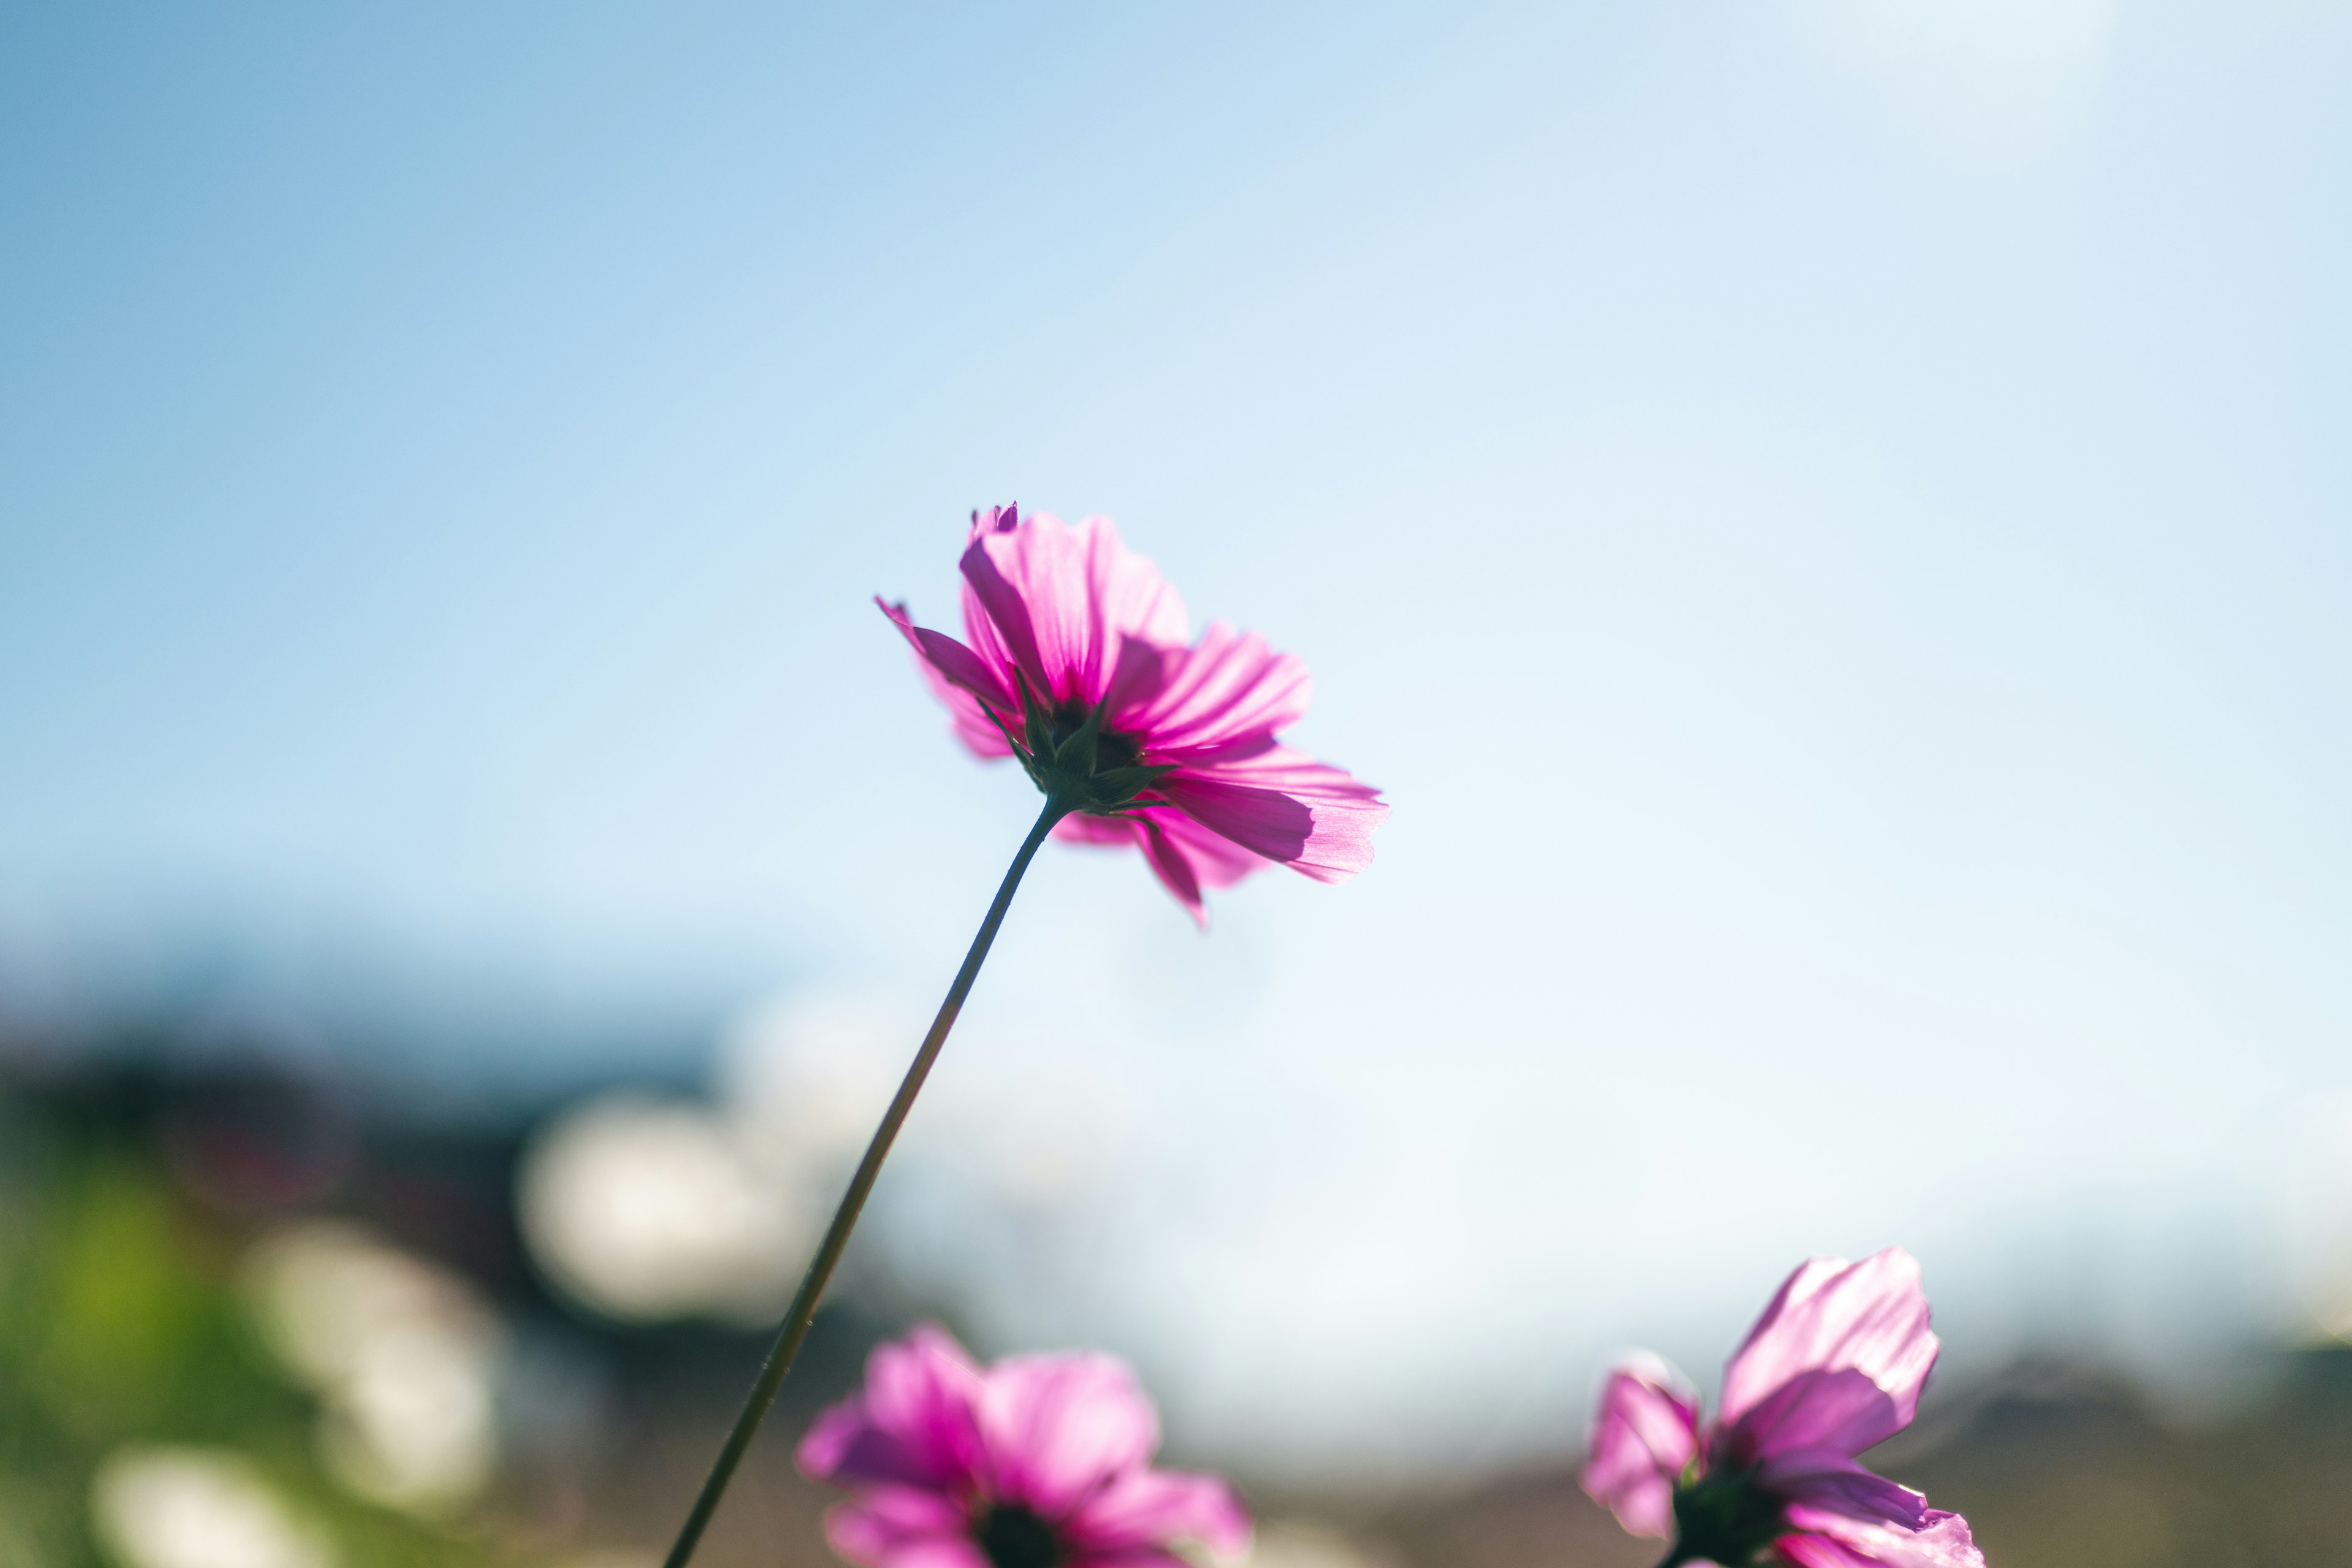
point(139, 1369)
point(255, 1140)
point(2059, 1467)
point(136, 1192)
point(135, 1399)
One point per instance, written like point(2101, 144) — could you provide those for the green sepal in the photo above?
point(1114, 786)
point(1041, 739)
point(1726, 1517)
point(1018, 749)
point(1076, 754)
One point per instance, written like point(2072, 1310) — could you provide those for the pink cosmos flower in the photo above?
point(1040, 1461)
point(1835, 1366)
point(1078, 659)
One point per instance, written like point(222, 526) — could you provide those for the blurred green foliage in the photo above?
point(121, 1324)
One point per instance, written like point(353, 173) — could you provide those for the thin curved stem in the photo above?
point(795, 1326)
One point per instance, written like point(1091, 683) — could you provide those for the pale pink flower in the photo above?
point(1063, 625)
point(1835, 1366)
point(1039, 1461)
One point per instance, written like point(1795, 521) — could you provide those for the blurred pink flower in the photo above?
point(1833, 1366)
point(1062, 624)
point(1039, 1461)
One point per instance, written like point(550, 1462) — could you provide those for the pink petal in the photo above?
point(1056, 1426)
point(1828, 1480)
point(996, 617)
point(1173, 868)
point(1868, 1317)
point(1137, 677)
point(1127, 599)
point(961, 680)
point(1644, 1432)
point(1185, 856)
point(1217, 860)
point(949, 658)
point(1833, 1540)
point(1818, 1551)
point(1102, 832)
point(916, 1423)
point(1060, 600)
point(901, 1527)
point(1282, 805)
point(1229, 687)
point(1152, 1508)
point(937, 1554)
point(1840, 1411)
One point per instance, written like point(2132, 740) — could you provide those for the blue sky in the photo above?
point(1829, 518)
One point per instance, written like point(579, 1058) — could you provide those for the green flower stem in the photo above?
point(795, 1326)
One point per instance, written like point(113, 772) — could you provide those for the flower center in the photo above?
point(1011, 1536)
point(1075, 765)
point(1111, 749)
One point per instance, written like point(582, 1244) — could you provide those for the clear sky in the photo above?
point(1832, 520)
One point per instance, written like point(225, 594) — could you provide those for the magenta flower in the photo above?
point(1833, 1366)
point(1040, 1461)
point(1080, 661)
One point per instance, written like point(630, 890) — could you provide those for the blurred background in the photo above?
point(1830, 518)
